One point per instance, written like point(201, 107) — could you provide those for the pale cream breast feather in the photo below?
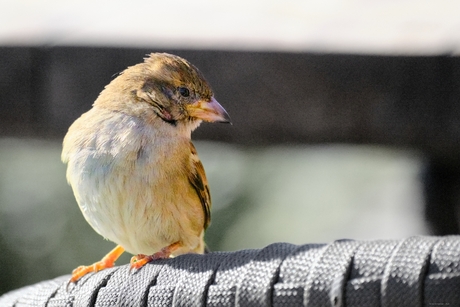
point(130, 180)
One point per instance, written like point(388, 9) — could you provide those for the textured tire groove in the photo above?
point(106, 297)
point(51, 296)
point(330, 268)
point(443, 274)
point(214, 263)
point(211, 281)
point(256, 288)
point(424, 272)
point(338, 288)
point(86, 290)
point(39, 295)
point(93, 298)
point(276, 275)
point(222, 297)
point(403, 280)
point(418, 271)
point(192, 289)
point(135, 291)
point(287, 290)
point(370, 259)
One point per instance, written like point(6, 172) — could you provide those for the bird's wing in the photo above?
point(197, 178)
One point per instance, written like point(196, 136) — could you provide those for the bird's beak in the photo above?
point(210, 111)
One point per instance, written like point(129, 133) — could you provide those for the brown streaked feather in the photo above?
point(197, 178)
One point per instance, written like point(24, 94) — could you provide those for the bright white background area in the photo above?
point(357, 26)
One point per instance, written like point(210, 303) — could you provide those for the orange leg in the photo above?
point(107, 262)
point(140, 260)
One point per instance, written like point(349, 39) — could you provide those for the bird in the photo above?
point(133, 168)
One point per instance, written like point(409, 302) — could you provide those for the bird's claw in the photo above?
point(107, 262)
point(95, 267)
point(140, 260)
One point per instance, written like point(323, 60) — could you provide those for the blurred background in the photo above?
point(346, 121)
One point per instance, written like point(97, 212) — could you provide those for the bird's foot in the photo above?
point(107, 262)
point(141, 260)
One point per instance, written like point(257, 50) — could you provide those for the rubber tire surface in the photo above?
point(417, 271)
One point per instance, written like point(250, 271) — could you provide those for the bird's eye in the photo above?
point(184, 92)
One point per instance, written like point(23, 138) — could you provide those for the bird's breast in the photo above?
point(131, 184)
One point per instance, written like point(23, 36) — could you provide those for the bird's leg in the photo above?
point(107, 262)
point(140, 260)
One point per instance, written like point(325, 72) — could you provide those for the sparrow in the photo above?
point(133, 169)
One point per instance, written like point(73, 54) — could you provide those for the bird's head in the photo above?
point(170, 86)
